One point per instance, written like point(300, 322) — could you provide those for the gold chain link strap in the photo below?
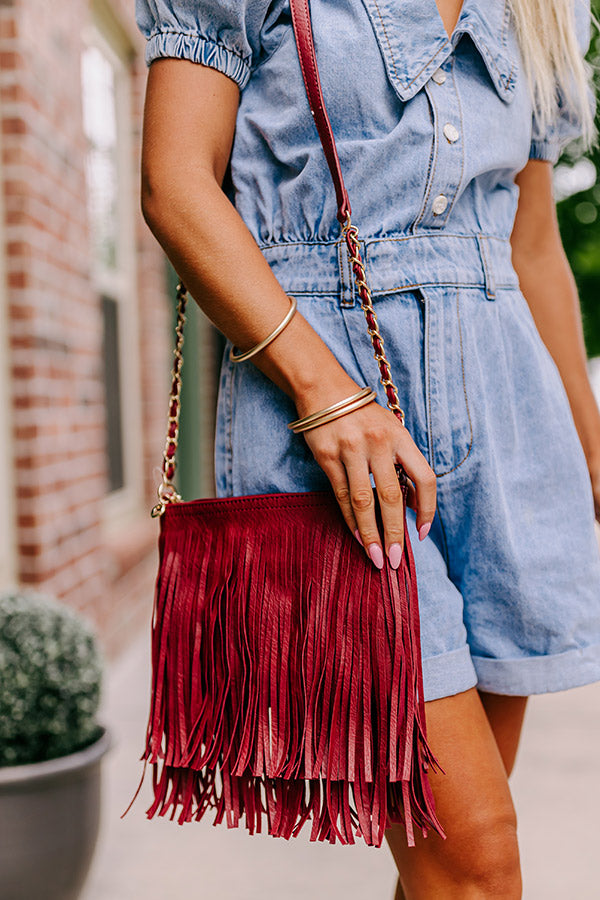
point(350, 233)
point(351, 237)
point(166, 489)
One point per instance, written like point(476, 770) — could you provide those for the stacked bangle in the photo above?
point(342, 408)
point(240, 357)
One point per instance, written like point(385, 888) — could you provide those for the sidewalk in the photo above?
point(556, 787)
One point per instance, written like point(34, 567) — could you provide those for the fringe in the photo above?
point(286, 675)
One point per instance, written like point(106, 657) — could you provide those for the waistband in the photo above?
point(398, 263)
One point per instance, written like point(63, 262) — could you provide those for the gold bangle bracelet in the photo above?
point(356, 401)
point(240, 357)
point(329, 417)
point(333, 408)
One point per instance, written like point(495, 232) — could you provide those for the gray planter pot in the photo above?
point(49, 819)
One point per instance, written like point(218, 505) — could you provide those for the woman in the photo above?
point(446, 128)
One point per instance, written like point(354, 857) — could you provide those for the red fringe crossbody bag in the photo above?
point(286, 668)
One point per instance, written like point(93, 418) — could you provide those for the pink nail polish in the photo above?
point(424, 531)
point(358, 537)
point(376, 554)
point(395, 555)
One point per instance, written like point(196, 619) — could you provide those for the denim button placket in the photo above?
point(447, 150)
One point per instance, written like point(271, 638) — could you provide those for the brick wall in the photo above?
point(55, 327)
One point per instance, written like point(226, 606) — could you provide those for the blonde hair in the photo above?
point(553, 60)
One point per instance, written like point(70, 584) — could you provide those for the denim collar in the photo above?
point(414, 43)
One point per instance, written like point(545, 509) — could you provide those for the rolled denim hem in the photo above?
point(448, 673)
point(539, 674)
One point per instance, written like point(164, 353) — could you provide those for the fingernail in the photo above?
point(424, 531)
point(395, 555)
point(358, 537)
point(376, 554)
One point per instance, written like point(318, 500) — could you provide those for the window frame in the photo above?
point(125, 503)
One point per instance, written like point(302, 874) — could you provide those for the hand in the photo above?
point(371, 439)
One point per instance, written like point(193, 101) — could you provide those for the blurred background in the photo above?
point(86, 333)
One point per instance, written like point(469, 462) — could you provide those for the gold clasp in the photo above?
point(166, 494)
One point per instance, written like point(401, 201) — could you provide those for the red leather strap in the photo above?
point(310, 73)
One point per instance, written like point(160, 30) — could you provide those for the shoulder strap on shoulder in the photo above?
point(310, 73)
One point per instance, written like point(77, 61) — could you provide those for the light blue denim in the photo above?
point(509, 578)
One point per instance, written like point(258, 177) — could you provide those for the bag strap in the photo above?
point(166, 489)
point(303, 33)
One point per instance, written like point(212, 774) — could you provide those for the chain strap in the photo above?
point(166, 489)
point(350, 233)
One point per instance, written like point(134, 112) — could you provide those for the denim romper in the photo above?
point(431, 132)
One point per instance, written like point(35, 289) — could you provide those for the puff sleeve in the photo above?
point(548, 144)
point(223, 34)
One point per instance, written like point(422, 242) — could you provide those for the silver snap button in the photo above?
point(450, 132)
point(439, 76)
point(439, 204)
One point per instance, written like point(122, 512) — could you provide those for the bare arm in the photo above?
point(189, 121)
point(549, 288)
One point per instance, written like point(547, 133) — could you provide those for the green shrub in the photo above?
point(50, 678)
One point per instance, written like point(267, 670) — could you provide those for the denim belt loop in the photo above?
point(346, 278)
point(486, 262)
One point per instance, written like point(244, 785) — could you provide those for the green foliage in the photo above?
point(579, 220)
point(50, 678)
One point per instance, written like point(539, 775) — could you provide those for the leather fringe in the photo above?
point(286, 675)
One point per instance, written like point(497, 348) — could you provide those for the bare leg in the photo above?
point(505, 715)
point(480, 856)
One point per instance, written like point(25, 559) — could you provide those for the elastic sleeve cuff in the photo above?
point(194, 47)
point(544, 149)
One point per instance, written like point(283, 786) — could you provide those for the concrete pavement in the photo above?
point(556, 787)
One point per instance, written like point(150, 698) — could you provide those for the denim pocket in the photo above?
point(449, 422)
